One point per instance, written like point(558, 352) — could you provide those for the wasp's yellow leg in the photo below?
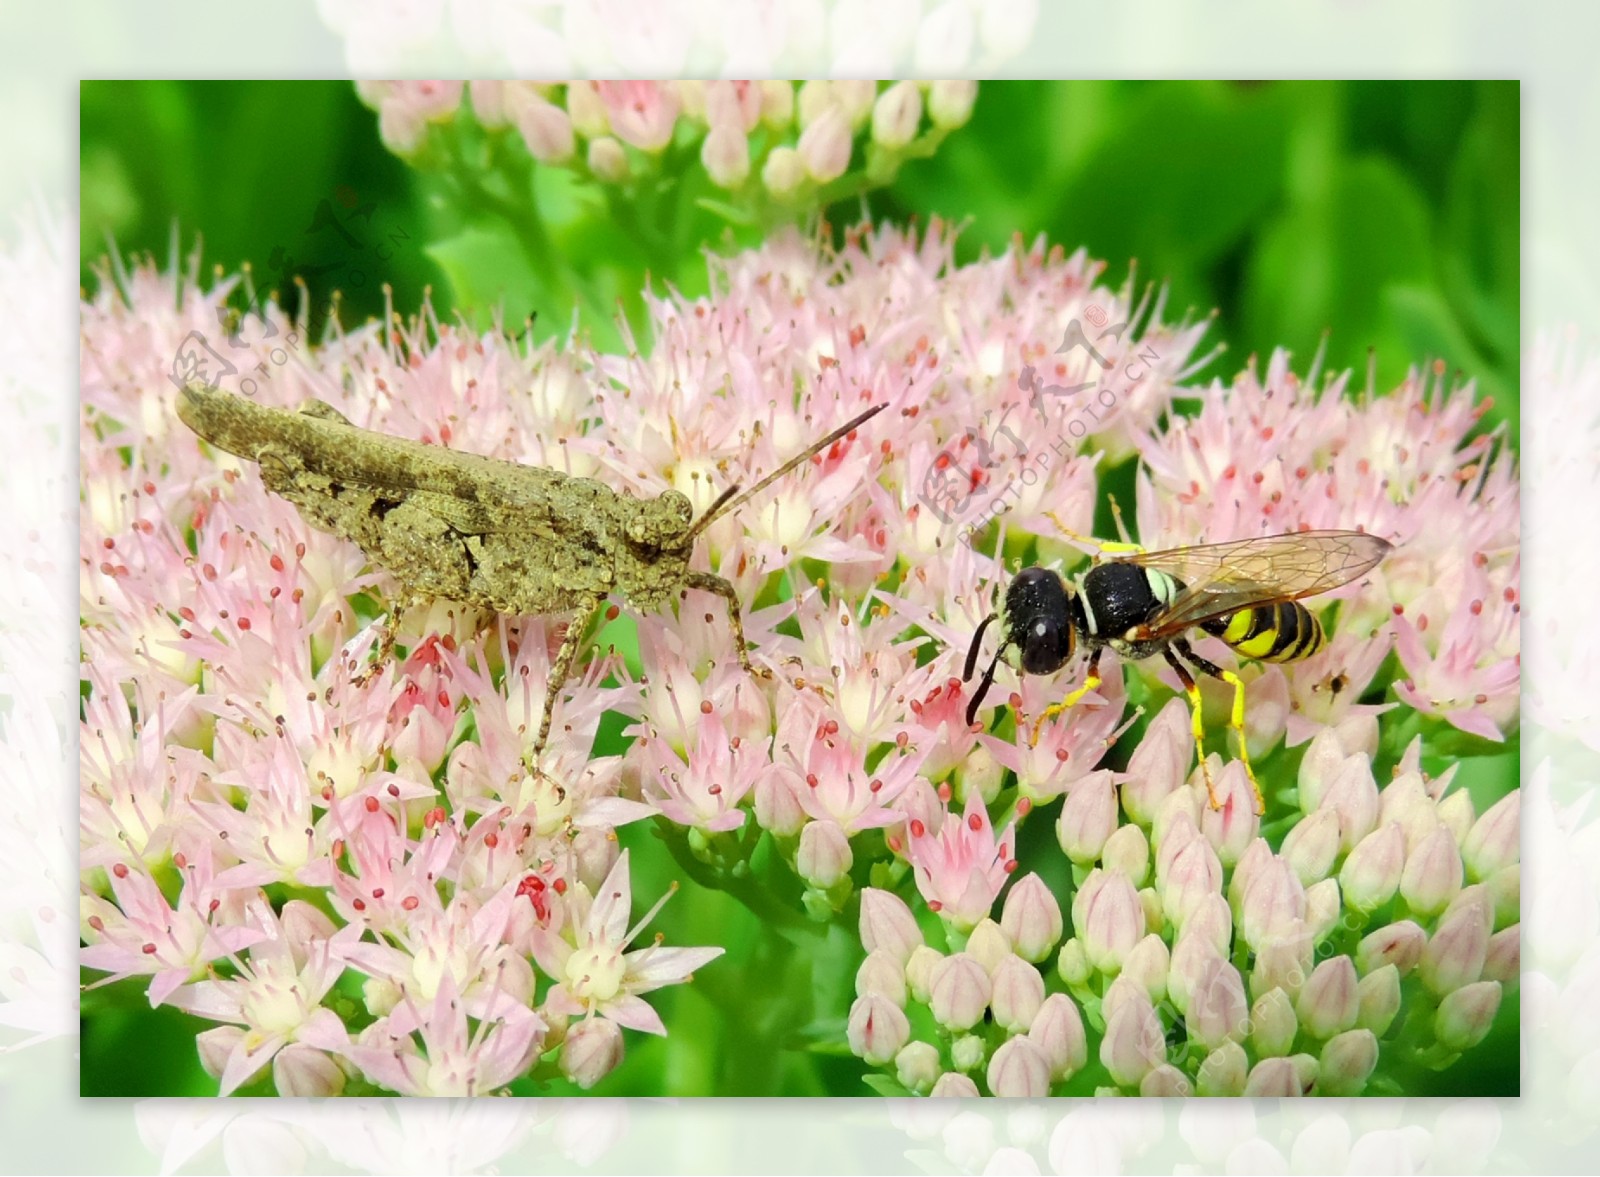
point(1091, 680)
point(1197, 720)
point(1101, 547)
point(1235, 721)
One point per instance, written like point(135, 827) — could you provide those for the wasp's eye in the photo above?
point(1046, 646)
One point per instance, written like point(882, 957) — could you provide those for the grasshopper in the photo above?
point(516, 539)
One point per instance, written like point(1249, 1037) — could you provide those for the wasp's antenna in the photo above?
point(977, 643)
point(983, 687)
point(726, 502)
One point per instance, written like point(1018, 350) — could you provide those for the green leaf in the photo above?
point(882, 1084)
point(488, 271)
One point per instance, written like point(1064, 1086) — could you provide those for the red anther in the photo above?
point(559, 886)
point(935, 906)
point(409, 903)
point(1399, 609)
point(1011, 865)
point(97, 923)
point(893, 843)
point(943, 792)
point(372, 804)
point(705, 707)
point(149, 488)
point(299, 551)
point(180, 860)
point(917, 828)
point(1266, 434)
point(875, 785)
point(208, 571)
point(831, 727)
point(811, 779)
point(1024, 806)
point(186, 613)
point(1231, 472)
point(433, 817)
point(942, 462)
point(1510, 594)
point(244, 623)
point(1063, 755)
point(975, 822)
point(377, 892)
point(1480, 699)
point(1476, 607)
point(491, 840)
point(902, 739)
point(393, 790)
point(148, 949)
point(276, 562)
point(120, 870)
point(338, 848)
point(613, 613)
point(359, 904)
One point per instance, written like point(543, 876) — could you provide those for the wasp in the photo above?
point(1141, 603)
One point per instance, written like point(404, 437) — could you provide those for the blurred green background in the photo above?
point(1380, 216)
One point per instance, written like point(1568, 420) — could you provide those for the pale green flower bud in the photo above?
point(1378, 996)
point(1347, 1062)
point(1018, 992)
point(1147, 966)
point(1405, 801)
point(545, 127)
point(1274, 902)
point(1505, 893)
point(1192, 958)
point(950, 103)
point(303, 1071)
point(1457, 814)
point(1212, 920)
point(1109, 919)
point(777, 104)
point(960, 991)
point(1312, 846)
point(1273, 1077)
point(1273, 1024)
point(1088, 817)
point(1072, 965)
point(1128, 853)
point(1134, 1043)
point(1232, 828)
point(1358, 734)
point(1019, 1070)
point(989, 944)
point(1371, 874)
point(1328, 1002)
point(815, 97)
point(1057, 1030)
point(887, 925)
point(592, 1050)
point(783, 172)
point(1353, 795)
point(1504, 960)
point(877, 1029)
point(1494, 841)
point(1399, 944)
point(1324, 755)
point(1177, 821)
point(1195, 873)
point(1456, 951)
point(1432, 876)
point(880, 973)
point(824, 856)
point(216, 1046)
point(379, 995)
point(1322, 909)
point(1218, 1009)
point(587, 110)
point(1466, 1015)
point(1284, 961)
point(1165, 1082)
point(825, 146)
point(1031, 918)
point(1256, 856)
point(1161, 761)
point(968, 1052)
point(609, 162)
point(981, 773)
point(896, 115)
point(919, 972)
point(854, 97)
point(1306, 1069)
point(1150, 902)
point(917, 1066)
point(1223, 1071)
point(952, 1085)
point(488, 103)
point(725, 154)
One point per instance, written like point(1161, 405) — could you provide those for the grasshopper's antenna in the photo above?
point(726, 502)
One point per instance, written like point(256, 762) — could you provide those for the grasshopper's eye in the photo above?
point(676, 506)
point(1046, 645)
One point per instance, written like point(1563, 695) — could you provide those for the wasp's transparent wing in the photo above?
point(1219, 579)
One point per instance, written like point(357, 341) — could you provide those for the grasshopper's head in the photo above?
point(660, 524)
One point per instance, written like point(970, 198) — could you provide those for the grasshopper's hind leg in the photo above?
point(724, 589)
point(560, 669)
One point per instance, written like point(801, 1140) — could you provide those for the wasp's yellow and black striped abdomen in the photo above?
point(1283, 631)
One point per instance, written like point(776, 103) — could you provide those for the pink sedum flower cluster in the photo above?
point(238, 744)
point(784, 139)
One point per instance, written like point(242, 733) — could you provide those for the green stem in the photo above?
point(742, 887)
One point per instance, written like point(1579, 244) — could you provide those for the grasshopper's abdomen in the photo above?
point(1279, 632)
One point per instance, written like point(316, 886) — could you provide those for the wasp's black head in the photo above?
point(1037, 623)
